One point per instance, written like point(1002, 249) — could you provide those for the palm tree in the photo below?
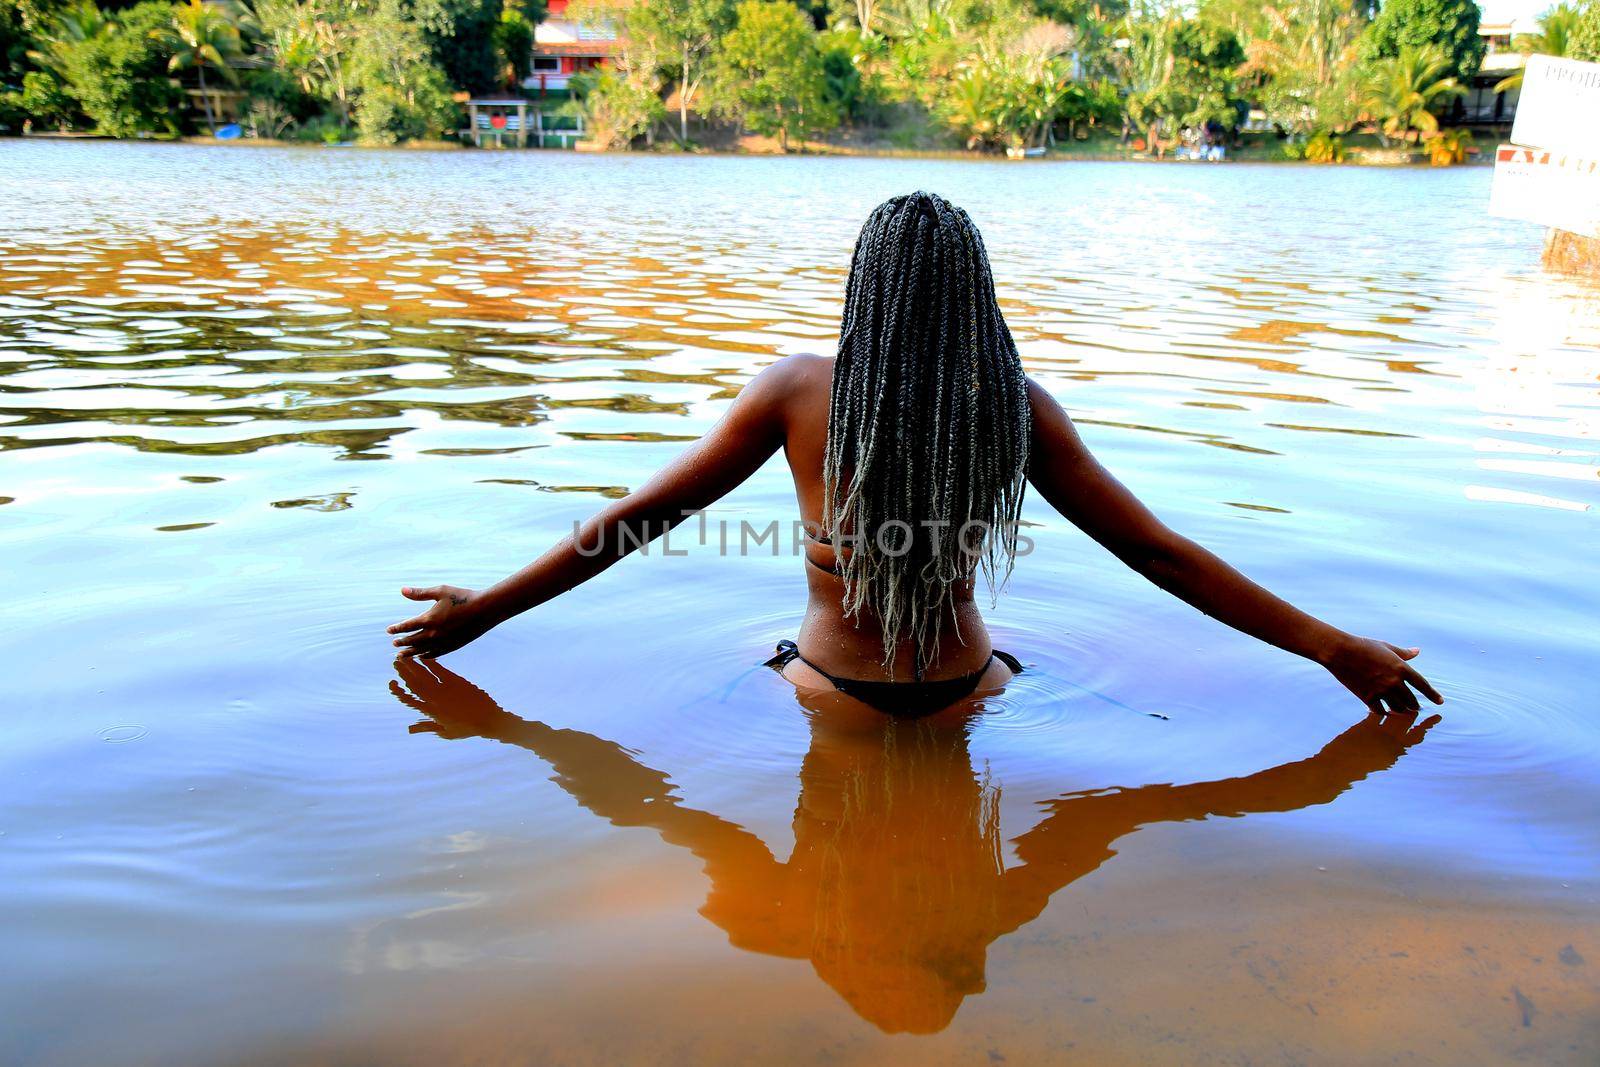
point(1307, 50)
point(1145, 68)
point(1404, 90)
point(972, 106)
point(1558, 29)
point(203, 35)
point(313, 42)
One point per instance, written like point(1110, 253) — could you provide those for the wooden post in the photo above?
point(472, 123)
point(522, 125)
point(1572, 252)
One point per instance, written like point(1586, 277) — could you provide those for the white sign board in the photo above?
point(1559, 108)
point(1548, 188)
point(1551, 175)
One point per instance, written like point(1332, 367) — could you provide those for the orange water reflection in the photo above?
point(897, 885)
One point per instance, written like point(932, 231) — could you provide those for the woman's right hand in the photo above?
point(1379, 673)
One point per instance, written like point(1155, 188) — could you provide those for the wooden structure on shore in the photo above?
point(517, 122)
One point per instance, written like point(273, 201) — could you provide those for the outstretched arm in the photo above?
point(599, 774)
point(1075, 484)
point(735, 448)
point(1077, 834)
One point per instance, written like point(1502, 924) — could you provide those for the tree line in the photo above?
point(982, 74)
point(380, 71)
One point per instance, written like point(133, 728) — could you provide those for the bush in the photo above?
point(401, 92)
point(462, 43)
point(1586, 37)
point(324, 129)
point(1449, 147)
point(119, 76)
point(388, 114)
point(1324, 147)
point(513, 39)
point(46, 100)
point(841, 81)
point(769, 74)
point(1450, 25)
point(268, 119)
point(616, 109)
point(11, 114)
point(272, 86)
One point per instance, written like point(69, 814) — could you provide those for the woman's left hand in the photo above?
point(455, 619)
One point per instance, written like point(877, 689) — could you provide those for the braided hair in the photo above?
point(928, 423)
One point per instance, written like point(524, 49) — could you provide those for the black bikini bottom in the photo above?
point(898, 698)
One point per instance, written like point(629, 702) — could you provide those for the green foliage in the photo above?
point(13, 45)
point(1303, 61)
point(368, 62)
point(533, 12)
point(462, 44)
point(841, 79)
point(1405, 92)
point(202, 36)
point(1448, 148)
point(673, 41)
point(1559, 34)
point(119, 75)
point(855, 67)
point(268, 118)
point(324, 129)
point(1185, 74)
point(69, 28)
point(991, 74)
point(1324, 147)
point(616, 108)
point(400, 92)
point(46, 100)
point(275, 86)
point(768, 73)
point(1079, 12)
point(1450, 25)
point(421, 109)
point(1012, 95)
point(513, 42)
point(1586, 34)
point(313, 42)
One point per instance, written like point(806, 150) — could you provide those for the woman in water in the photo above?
point(910, 452)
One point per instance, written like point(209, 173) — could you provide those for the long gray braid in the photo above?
point(928, 423)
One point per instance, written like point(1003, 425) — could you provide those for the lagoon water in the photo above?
point(247, 394)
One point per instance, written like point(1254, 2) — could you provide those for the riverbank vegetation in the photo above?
point(1309, 79)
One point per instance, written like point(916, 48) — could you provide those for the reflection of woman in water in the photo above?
point(910, 452)
point(896, 886)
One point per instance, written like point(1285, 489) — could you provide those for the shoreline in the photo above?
point(812, 150)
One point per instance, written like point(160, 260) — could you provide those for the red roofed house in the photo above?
point(563, 47)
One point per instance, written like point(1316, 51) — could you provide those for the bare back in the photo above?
point(853, 648)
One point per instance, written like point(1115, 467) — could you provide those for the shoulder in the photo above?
point(790, 378)
point(778, 397)
point(798, 371)
point(1044, 404)
point(1053, 430)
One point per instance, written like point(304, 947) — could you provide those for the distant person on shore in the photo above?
point(910, 451)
